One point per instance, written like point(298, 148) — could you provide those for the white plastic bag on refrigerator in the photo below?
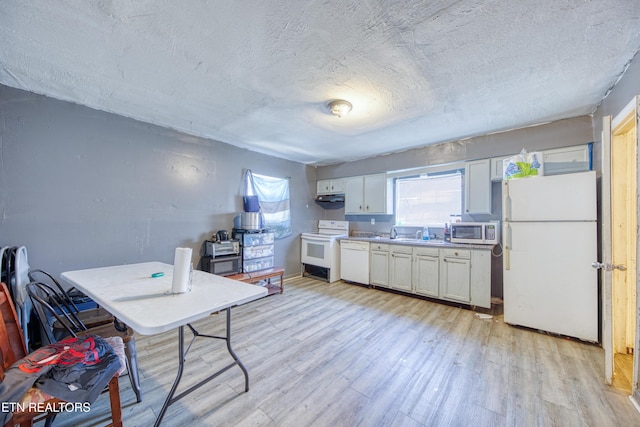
point(523, 165)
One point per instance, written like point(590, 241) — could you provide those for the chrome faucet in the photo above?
point(419, 235)
point(393, 233)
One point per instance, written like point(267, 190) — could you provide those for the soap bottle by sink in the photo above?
point(425, 233)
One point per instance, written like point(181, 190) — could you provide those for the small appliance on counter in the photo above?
point(482, 233)
point(222, 255)
point(222, 235)
point(221, 248)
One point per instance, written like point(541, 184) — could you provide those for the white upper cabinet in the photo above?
point(496, 168)
point(567, 160)
point(330, 186)
point(354, 195)
point(368, 194)
point(477, 187)
point(556, 161)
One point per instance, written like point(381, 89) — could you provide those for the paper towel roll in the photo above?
point(181, 270)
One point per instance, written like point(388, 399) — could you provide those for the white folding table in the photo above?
point(146, 304)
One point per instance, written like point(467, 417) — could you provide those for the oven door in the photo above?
point(316, 250)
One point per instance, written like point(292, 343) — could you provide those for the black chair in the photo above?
point(51, 309)
point(90, 317)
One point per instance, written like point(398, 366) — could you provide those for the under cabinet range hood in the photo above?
point(330, 201)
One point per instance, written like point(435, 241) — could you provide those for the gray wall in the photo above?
point(82, 188)
point(562, 133)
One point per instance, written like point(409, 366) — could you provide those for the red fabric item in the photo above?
point(65, 352)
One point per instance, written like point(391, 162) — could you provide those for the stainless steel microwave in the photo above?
point(483, 233)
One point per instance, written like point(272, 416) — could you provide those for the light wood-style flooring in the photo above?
point(343, 355)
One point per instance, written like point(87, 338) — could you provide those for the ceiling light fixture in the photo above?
point(339, 107)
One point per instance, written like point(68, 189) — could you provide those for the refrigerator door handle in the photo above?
point(505, 200)
point(507, 247)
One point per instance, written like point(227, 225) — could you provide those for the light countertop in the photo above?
point(417, 242)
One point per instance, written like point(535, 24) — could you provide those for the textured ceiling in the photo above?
point(258, 74)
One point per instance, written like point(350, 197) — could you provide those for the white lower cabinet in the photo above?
point(452, 274)
point(426, 271)
point(455, 275)
point(379, 265)
point(400, 267)
point(481, 278)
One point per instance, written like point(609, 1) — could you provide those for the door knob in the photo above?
point(608, 267)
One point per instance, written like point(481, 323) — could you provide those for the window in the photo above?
point(273, 194)
point(428, 199)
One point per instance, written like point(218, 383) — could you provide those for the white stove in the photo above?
point(320, 252)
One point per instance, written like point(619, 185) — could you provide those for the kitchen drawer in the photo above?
point(249, 266)
point(251, 252)
point(258, 239)
point(401, 249)
point(425, 251)
point(380, 247)
point(456, 253)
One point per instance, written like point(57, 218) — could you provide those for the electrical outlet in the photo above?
point(373, 221)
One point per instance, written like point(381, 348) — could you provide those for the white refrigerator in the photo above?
point(549, 226)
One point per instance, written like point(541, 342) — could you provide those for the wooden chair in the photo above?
point(48, 304)
point(13, 348)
